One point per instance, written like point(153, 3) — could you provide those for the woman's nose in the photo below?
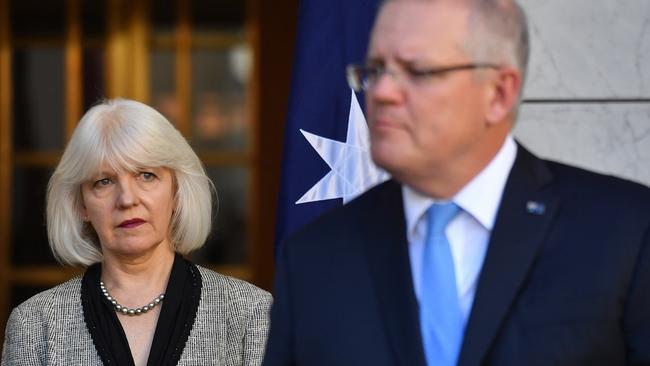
point(128, 193)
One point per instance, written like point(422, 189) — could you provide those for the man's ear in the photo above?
point(504, 93)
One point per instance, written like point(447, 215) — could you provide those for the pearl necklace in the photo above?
point(126, 311)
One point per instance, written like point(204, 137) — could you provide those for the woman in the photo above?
point(128, 199)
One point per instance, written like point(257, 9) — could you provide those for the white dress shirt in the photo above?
point(469, 232)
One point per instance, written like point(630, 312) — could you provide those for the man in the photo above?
point(478, 252)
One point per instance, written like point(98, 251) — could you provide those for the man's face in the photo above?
point(424, 127)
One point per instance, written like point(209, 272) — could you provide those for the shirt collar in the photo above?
point(480, 197)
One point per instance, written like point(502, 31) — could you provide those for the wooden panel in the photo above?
point(255, 193)
point(127, 67)
point(225, 158)
point(199, 40)
point(42, 42)
point(139, 49)
point(117, 65)
point(42, 275)
point(73, 67)
point(53, 275)
point(5, 160)
point(37, 159)
point(276, 30)
point(184, 66)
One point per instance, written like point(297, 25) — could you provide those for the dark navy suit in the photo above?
point(566, 279)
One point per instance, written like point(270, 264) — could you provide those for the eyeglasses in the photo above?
point(362, 77)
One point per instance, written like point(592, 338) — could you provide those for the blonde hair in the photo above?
point(126, 135)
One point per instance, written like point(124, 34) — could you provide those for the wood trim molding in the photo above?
point(37, 158)
point(184, 67)
point(116, 50)
point(276, 31)
point(39, 275)
point(5, 159)
point(140, 30)
point(73, 67)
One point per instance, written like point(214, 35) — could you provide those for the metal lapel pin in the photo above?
point(535, 208)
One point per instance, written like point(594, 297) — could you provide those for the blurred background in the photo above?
point(219, 70)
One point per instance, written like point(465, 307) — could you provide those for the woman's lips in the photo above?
point(129, 224)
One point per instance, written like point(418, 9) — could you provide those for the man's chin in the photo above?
point(387, 159)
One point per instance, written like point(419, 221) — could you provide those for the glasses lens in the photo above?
point(355, 77)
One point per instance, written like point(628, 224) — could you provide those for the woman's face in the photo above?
point(130, 211)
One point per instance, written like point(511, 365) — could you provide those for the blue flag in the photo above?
point(326, 159)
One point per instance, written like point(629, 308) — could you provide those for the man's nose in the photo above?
point(386, 88)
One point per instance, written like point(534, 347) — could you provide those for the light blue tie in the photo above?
point(440, 319)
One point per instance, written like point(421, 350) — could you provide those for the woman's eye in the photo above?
point(147, 176)
point(102, 182)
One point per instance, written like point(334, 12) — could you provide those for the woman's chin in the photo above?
point(134, 248)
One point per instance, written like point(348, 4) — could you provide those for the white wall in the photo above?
point(587, 97)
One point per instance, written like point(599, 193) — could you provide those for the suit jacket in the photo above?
point(230, 327)
point(565, 281)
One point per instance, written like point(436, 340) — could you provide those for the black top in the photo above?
point(174, 323)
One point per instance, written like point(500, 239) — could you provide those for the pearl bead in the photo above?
point(126, 311)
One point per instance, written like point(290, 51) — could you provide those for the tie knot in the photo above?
point(439, 216)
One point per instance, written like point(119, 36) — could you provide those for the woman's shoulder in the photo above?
point(41, 308)
point(233, 288)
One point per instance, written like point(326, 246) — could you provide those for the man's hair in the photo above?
point(498, 33)
point(127, 136)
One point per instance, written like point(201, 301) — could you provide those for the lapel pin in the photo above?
point(535, 208)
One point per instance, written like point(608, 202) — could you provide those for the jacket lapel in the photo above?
point(389, 265)
point(525, 213)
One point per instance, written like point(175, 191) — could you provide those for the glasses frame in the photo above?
point(356, 82)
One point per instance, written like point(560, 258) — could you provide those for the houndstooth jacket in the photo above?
point(231, 326)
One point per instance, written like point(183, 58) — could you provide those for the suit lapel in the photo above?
point(525, 213)
point(389, 265)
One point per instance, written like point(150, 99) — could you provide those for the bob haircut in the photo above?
point(128, 136)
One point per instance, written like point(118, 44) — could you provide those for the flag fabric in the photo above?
point(326, 158)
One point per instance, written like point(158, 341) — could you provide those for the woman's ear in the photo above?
point(504, 95)
point(83, 212)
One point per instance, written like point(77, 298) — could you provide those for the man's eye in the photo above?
point(419, 73)
point(374, 71)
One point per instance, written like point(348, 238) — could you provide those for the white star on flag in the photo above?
point(353, 171)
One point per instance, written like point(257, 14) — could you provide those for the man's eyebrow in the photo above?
point(374, 60)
